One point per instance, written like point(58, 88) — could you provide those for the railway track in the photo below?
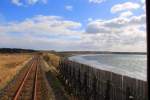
point(27, 89)
point(29, 85)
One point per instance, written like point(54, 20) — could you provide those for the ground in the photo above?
point(56, 88)
point(10, 64)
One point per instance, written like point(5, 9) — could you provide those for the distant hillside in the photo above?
point(15, 50)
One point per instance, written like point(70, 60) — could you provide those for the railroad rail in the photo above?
point(29, 85)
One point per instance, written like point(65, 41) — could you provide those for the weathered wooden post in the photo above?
point(129, 96)
point(85, 87)
point(66, 74)
point(94, 88)
point(69, 77)
point(64, 70)
point(61, 69)
point(79, 83)
point(107, 93)
point(74, 81)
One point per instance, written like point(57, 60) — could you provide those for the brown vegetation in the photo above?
point(10, 64)
point(54, 59)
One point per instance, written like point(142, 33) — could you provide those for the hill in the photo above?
point(16, 50)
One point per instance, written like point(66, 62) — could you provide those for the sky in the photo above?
point(63, 25)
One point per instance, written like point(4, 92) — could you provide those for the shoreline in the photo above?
point(107, 67)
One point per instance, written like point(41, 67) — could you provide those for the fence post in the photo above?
point(85, 86)
point(79, 83)
point(94, 87)
point(107, 93)
point(129, 95)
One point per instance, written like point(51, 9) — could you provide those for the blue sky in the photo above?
point(81, 11)
point(73, 24)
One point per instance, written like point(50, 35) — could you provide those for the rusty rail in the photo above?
point(35, 85)
point(18, 93)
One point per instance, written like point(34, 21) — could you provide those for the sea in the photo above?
point(132, 65)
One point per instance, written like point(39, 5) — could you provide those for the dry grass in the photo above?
point(54, 59)
point(10, 64)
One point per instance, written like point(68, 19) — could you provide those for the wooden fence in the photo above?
point(88, 83)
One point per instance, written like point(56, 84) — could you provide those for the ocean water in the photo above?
point(125, 64)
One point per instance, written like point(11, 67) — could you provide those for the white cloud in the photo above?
point(124, 33)
point(115, 25)
point(33, 42)
point(124, 6)
point(69, 7)
point(17, 2)
point(32, 1)
point(138, 46)
point(49, 25)
point(144, 8)
point(90, 19)
point(143, 1)
point(28, 2)
point(40, 32)
point(96, 1)
point(54, 32)
point(126, 14)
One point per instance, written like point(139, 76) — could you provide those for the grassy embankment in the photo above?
point(52, 77)
point(10, 65)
